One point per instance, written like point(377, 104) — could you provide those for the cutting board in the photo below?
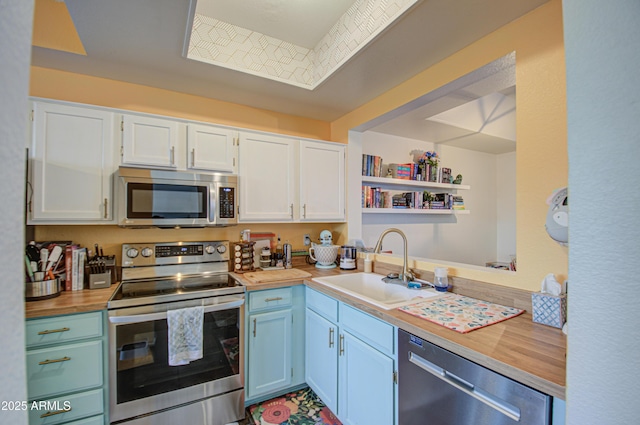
point(275, 275)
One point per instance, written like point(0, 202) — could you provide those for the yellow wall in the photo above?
point(60, 85)
point(537, 39)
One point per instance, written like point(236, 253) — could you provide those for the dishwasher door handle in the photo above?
point(468, 388)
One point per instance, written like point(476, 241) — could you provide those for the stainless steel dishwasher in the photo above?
point(437, 387)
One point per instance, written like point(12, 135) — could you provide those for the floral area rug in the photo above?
point(301, 407)
point(460, 313)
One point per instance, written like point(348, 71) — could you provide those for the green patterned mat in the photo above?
point(301, 407)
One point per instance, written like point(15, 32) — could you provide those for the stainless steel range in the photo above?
point(156, 279)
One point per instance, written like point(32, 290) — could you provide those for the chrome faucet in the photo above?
point(407, 275)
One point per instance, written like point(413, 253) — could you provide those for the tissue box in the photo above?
point(548, 309)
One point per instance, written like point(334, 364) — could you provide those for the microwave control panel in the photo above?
point(226, 199)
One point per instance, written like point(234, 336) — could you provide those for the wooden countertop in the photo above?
point(518, 348)
point(70, 302)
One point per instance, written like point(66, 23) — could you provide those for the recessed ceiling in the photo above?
point(142, 42)
point(271, 41)
point(302, 23)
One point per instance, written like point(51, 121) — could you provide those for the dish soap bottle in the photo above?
point(368, 267)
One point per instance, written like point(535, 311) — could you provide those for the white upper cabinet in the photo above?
point(266, 177)
point(211, 148)
point(70, 164)
point(149, 141)
point(322, 181)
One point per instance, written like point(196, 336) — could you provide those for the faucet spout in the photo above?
point(407, 276)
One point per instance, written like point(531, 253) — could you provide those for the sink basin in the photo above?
point(369, 287)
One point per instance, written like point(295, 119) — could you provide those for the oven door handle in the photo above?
point(150, 317)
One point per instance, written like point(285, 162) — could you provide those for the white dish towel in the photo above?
point(185, 335)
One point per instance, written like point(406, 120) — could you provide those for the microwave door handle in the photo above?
point(213, 213)
point(150, 317)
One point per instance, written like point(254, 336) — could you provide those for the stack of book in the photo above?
point(441, 201)
point(371, 165)
point(408, 200)
point(458, 202)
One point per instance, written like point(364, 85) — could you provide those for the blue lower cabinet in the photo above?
point(321, 355)
point(270, 352)
point(366, 384)
point(274, 341)
point(67, 369)
point(351, 361)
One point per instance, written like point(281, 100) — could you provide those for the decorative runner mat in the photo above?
point(460, 313)
point(301, 407)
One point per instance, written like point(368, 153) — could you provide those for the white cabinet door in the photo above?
point(322, 181)
point(361, 369)
point(210, 148)
point(321, 365)
point(71, 161)
point(266, 174)
point(149, 141)
point(269, 352)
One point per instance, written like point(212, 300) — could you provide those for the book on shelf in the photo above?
point(371, 165)
point(445, 175)
point(374, 197)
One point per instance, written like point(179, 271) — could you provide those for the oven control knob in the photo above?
point(132, 253)
point(221, 249)
point(209, 249)
point(147, 252)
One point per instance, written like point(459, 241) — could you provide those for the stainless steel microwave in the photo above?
point(159, 198)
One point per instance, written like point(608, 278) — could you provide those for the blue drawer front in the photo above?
point(270, 298)
point(57, 370)
point(322, 304)
point(63, 329)
point(82, 405)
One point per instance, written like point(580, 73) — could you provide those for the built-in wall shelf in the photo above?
point(399, 183)
point(414, 211)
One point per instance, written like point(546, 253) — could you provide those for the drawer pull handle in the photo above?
point(53, 331)
point(273, 299)
point(331, 342)
point(64, 359)
point(55, 412)
point(254, 328)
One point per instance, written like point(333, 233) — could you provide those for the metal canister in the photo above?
point(286, 250)
point(348, 257)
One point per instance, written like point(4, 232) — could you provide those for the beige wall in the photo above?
point(537, 39)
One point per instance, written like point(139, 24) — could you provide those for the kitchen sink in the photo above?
point(369, 287)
